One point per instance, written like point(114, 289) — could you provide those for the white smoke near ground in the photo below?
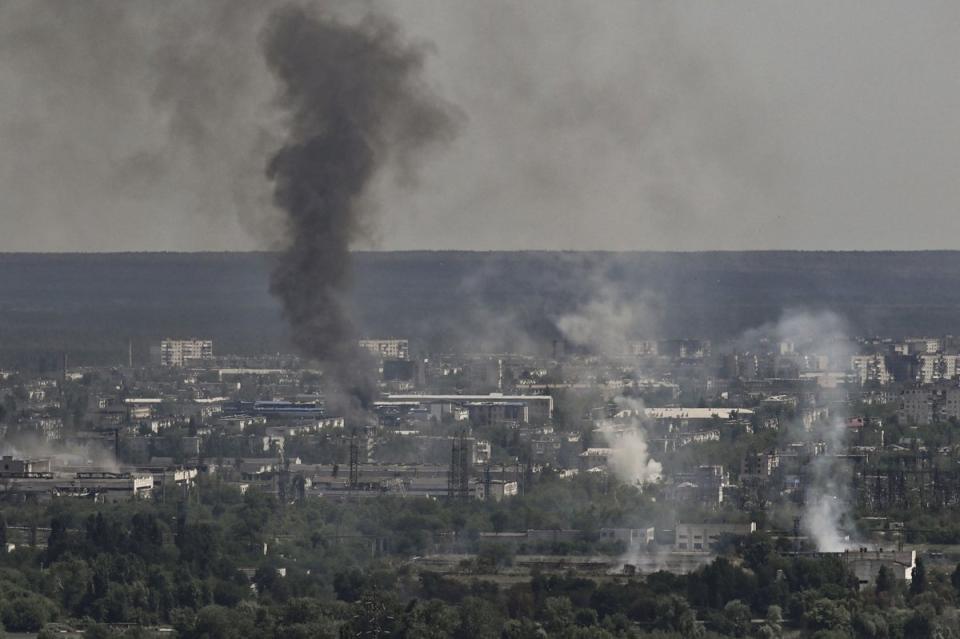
point(99, 456)
point(822, 520)
point(827, 498)
point(631, 461)
point(626, 436)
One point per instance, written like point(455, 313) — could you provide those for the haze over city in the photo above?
point(613, 126)
point(479, 320)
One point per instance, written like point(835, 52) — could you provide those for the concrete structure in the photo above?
point(10, 467)
point(871, 369)
point(391, 348)
point(632, 537)
point(689, 415)
point(98, 486)
point(703, 485)
point(866, 564)
point(272, 409)
point(645, 348)
point(704, 537)
point(498, 489)
point(951, 404)
point(916, 406)
point(179, 352)
point(938, 368)
point(534, 409)
point(594, 458)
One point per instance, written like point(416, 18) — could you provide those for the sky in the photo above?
point(615, 125)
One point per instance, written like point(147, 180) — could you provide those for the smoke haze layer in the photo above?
point(355, 106)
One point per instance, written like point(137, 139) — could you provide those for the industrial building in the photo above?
point(98, 486)
point(484, 409)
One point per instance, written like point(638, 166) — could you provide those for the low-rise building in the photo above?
point(866, 564)
point(705, 537)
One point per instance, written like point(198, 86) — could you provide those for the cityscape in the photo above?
point(443, 319)
point(792, 439)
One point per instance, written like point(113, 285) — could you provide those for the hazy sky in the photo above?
point(585, 125)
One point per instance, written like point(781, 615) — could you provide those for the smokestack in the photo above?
point(355, 106)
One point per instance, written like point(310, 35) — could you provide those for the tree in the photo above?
point(870, 625)
point(349, 585)
point(919, 626)
point(429, 620)
point(557, 614)
point(479, 619)
point(772, 627)
point(57, 542)
point(955, 578)
point(493, 556)
point(826, 614)
point(737, 616)
point(919, 582)
point(523, 629)
point(28, 613)
point(71, 577)
point(884, 580)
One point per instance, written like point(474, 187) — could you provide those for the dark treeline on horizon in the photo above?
point(90, 305)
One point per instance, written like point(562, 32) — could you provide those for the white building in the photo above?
point(704, 537)
point(870, 369)
point(178, 352)
point(391, 348)
point(938, 367)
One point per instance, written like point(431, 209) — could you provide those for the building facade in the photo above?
point(387, 348)
point(178, 352)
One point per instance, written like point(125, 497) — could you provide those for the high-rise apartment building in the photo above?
point(177, 352)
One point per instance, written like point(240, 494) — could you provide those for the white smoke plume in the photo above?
point(607, 322)
point(822, 519)
point(827, 499)
point(814, 332)
point(626, 435)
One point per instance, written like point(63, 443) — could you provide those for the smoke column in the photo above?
point(828, 500)
point(354, 106)
point(627, 437)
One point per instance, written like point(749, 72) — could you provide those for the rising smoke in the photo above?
point(827, 499)
point(627, 437)
point(355, 107)
point(605, 323)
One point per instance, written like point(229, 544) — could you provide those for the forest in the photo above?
point(220, 564)
point(93, 305)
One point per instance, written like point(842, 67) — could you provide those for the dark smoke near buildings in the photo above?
point(356, 106)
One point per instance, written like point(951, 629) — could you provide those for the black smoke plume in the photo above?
point(355, 106)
